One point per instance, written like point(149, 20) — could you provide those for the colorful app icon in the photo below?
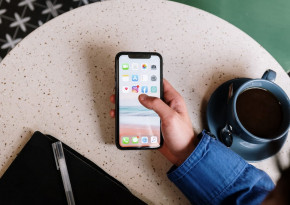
point(135, 89)
point(144, 78)
point(125, 66)
point(153, 78)
point(144, 66)
point(135, 78)
point(135, 66)
point(125, 78)
point(135, 140)
point(125, 89)
point(153, 67)
point(144, 89)
point(144, 140)
point(125, 140)
point(153, 89)
point(154, 139)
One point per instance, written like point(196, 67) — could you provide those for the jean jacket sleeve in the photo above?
point(213, 174)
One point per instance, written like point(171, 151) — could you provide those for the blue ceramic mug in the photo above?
point(265, 83)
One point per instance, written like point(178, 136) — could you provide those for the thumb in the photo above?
point(156, 104)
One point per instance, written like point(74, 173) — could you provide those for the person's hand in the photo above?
point(177, 131)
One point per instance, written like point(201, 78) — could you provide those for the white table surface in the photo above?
point(58, 80)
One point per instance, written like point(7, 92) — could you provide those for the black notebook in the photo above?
point(32, 178)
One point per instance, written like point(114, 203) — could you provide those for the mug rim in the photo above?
point(240, 90)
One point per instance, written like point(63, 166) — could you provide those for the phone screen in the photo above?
point(138, 127)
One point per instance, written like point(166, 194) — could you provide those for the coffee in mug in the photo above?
point(260, 112)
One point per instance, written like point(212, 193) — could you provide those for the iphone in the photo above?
point(136, 126)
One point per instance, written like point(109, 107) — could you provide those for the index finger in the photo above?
point(169, 92)
point(173, 98)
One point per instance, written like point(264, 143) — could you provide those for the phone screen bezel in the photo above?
point(137, 55)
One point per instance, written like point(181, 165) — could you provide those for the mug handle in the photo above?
point(269, 75)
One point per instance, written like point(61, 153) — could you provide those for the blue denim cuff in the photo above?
point(177, 172)
point(208, 171)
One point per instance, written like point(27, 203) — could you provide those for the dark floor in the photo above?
point(20, 17)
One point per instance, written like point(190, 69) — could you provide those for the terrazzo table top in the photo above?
point(58, 80)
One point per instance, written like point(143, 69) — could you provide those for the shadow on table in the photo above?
point(216, 79)
point(101, 71)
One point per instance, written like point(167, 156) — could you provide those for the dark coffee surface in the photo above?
point(260, 112)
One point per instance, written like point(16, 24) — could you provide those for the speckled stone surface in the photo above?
point(58, 80)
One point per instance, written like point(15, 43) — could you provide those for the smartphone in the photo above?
point(136, 126)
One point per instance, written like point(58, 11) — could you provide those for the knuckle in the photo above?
point(170, 119)
point(179, 99)
point(155, 101)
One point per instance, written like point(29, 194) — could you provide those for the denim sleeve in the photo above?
point(214, 174)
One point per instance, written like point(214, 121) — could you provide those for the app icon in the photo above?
point(144, 140)
point(153, 139)
point(144, 89)
point(125, 89)
point(125, 140)
point(153, 89)
point(125, 78)
point(153, 78)
point(135, 66)
point(135, 89)
point(153, 67)
point(125, 66)
point(144, 77)
point(134, 77)
point(144, 66)
point(135, 140)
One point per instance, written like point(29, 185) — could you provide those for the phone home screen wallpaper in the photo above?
point(138, 126)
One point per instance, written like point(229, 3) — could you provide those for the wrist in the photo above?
point(187, 151)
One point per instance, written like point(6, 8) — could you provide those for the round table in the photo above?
point(58, 80)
